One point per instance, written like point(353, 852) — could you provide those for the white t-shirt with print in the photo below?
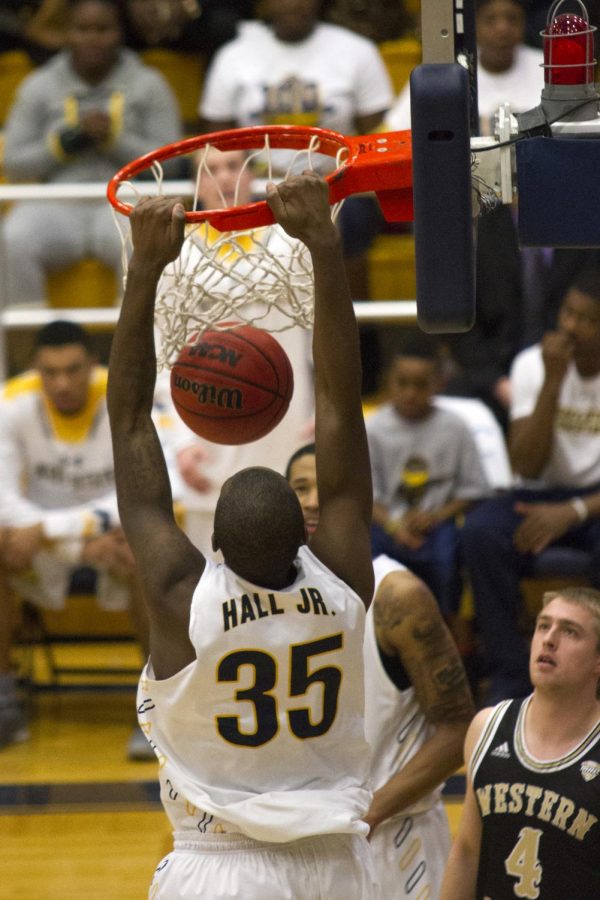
point(575, 456)
point(326, 80)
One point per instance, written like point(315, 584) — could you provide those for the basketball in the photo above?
point(232, 387)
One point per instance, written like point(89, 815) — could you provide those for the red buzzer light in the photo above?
point(569, 50)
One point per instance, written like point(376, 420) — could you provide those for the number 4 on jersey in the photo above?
point(523, 864)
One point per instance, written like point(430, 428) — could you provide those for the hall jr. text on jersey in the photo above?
point(252, 606)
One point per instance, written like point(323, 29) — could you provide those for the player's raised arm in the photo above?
point(342, 540)
point(168, 563)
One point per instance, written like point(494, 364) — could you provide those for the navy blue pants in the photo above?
point(436, 562)
point(495, 569)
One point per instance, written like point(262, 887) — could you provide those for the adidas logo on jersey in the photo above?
point(501, 751)
point(589, 769)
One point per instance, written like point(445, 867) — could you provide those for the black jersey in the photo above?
point(540, 828)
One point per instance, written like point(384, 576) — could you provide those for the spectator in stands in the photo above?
point(298, 70)
point(554, 444)
point(426, 471)
point(58, 509)
point(78, 119)
point(518, 293)
point(186, 25)
point(205, 466)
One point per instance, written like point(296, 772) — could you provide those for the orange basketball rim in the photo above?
point(379, 163)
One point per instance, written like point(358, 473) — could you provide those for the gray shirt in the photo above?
point(423, 464)
point(142, 107)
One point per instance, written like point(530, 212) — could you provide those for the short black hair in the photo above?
point(307, 450)
point(61, 332)
point(259, 526)
point(423, 346)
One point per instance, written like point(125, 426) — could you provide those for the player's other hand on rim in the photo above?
point(301, 206)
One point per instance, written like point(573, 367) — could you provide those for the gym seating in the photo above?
point(88, 283)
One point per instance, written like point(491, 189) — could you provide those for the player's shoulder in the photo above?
point(482, 726)
point(16, 390)
point(250, 35)
point(380, 416)
point(525, 359)
point(532, 56)
point(43, 78)
point(449, 419)
point(399, 593)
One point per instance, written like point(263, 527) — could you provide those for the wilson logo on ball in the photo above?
point(228, 398)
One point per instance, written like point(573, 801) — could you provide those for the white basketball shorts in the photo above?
point(232, 866)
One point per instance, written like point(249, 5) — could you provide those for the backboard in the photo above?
point(444, 114)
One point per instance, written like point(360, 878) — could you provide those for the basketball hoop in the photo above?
point(374, 162)
point(236, 264)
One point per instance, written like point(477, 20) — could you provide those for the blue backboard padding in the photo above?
point(443, 223)
point(558, 185)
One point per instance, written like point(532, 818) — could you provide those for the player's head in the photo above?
point(415, 375)
point(500, 26)
point(225, 178)
point(64, 359)
point(579, 316)
point(258, 526)
point(94, 36)
point(292, 20)
point(565, 650)
point(301, 472)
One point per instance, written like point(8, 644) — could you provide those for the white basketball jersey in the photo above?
point(265, 729)
point(395, 725)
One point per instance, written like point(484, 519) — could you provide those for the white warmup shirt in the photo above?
point(56, 469)
point(265, 729)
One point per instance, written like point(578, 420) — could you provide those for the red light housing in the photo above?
point(569, 49)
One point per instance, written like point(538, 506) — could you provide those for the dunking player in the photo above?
point(530, 822)
point(253, 693)
point(417, 710)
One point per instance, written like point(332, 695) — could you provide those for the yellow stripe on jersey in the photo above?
point(231, 245)
point(116, 106)
point(71, 429)
point(71, 111)
point(27, 383)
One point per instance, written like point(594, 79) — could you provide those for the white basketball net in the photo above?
point(259, 276)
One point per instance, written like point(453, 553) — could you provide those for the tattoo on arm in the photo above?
point(412, 624)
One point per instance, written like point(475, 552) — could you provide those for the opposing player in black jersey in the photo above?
point(530, 826)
